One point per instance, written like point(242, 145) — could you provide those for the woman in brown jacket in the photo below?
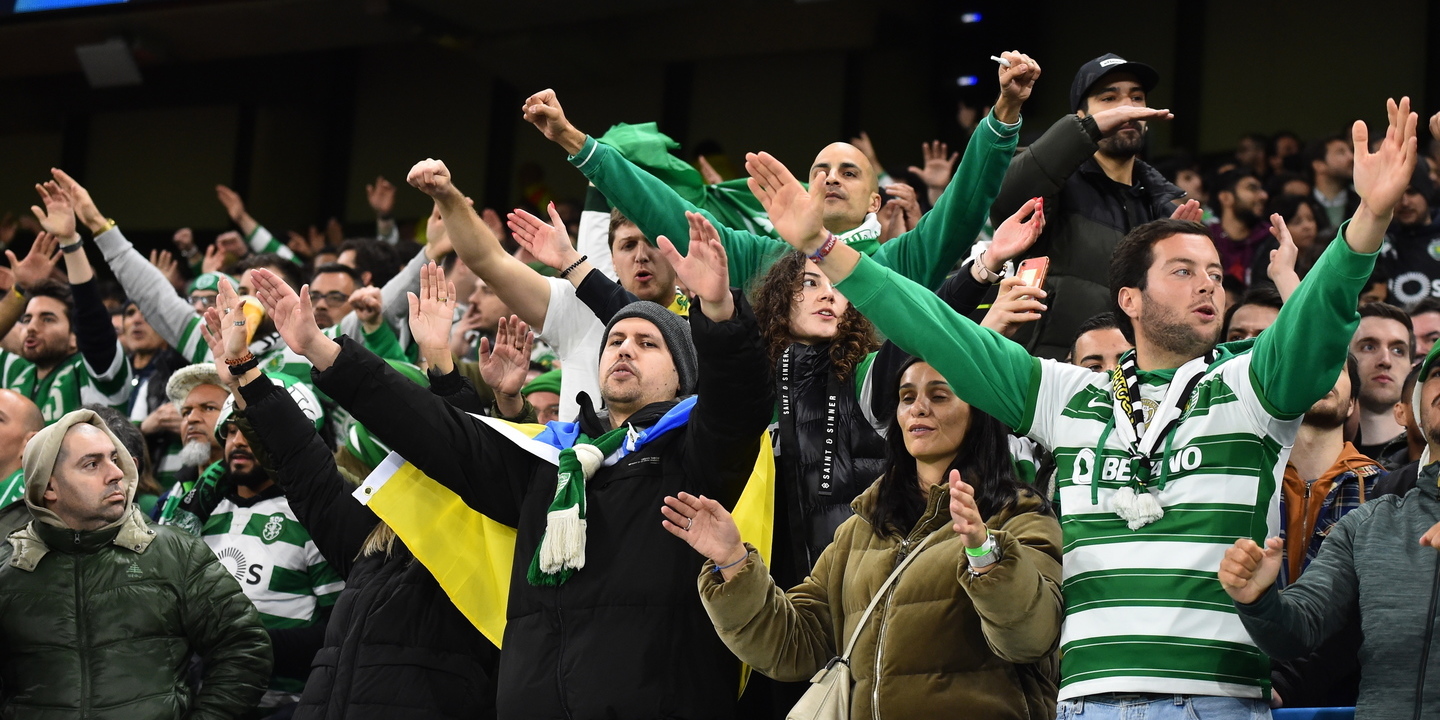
point(970, 628)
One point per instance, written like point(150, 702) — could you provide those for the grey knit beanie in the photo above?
point(675, 330)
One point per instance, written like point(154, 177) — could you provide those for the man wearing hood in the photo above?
point(100, 611)
point(1377, 568)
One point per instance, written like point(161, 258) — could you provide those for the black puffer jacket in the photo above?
point(396, 646)
point(829, 454)
point(626, 636)
point(1086, 215)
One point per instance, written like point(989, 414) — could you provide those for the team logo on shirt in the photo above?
point(234, 561)
point(273, 527)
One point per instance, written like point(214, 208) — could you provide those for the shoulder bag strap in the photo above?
point(865, 617)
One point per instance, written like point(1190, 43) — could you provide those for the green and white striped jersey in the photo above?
point(1144, 610)
point(273, 558)
point(72, 384)
point(12, 488)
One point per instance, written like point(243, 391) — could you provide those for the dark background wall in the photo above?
point(298, 103)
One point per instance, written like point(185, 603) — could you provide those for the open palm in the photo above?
point(1382, 176)
point(549, 243)
point(433, 310)
point(504, 364)
point(704, 524)
point(706, 270)
point(1019, 231)
point(796, 213)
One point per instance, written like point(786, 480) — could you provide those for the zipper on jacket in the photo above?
point(84, 642)
point(1429, 631)
point(884, 610)
point(560, 656)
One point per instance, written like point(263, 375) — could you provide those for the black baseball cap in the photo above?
point(1091, 72)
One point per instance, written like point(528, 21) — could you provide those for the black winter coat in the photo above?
point(396, 647)
point(829, 454)
point(626, 636)
point(1086, 215)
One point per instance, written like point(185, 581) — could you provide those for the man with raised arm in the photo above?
point(925, 254)
point(550, 305)
point(71, 355)
point(603, 619)
point(1163, 462)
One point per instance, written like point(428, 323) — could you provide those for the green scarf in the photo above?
point(562, 548)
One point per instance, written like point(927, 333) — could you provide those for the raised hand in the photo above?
point(437, 238)
point(225, 329)
point(1382, 176)
point(939, 165)
point(39, 263)
point(1248, 570)
point(164, 419)
point(867, 148)
point(166, 264)
point(1189, 211)
point(797, 213)
point(1017, 233)
point(366, 303)
point(544, 112)
point(504, 363)
point(892, 222)
point(294, 318)
point(431, 177)
point(965, 517)
point(1282, 259)
point(705, 525)
point(432, 311)
point(381, 197)
point(1112, 120)
point(708, 173)
point(58, 217)
point(1016, 84)
point(706, 270)
point(80, 198)
point(234, 205)
point(1016, 305)
point(184, 241)
point(550, 244)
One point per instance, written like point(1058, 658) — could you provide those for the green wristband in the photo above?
point(980, 551)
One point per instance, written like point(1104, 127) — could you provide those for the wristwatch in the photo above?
point(982, 273)
point(984, 556)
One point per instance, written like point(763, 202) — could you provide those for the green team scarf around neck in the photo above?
point(562, 548)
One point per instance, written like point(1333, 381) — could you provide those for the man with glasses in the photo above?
point(330, 292)
point(202, 290)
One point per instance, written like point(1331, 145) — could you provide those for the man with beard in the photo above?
point(19, 421)
point(1095, 191)
point(239, 511)
point(71, 355)
point(1239, 227)
point(196, 390)
point(1163, 460)
point(1412, 248)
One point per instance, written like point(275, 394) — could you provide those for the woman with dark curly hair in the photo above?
point(827, 450)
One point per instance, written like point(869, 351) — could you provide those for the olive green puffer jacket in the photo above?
point(942, 644)
point(92, 628)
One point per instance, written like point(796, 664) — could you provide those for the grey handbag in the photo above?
point(828, 697)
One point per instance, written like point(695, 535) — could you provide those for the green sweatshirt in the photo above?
point(924, 254)
point(1144, 610)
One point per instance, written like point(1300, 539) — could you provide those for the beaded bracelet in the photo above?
point(572, 267)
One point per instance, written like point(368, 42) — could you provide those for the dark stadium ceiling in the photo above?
point(499, 33)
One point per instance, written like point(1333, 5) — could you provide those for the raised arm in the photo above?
point(1318, 320)
point(1004, 378)
point(454, 449)
point(523, 289)
point(550, 245)
point(644, 199)
point(1043, 168)
point(172, 317)
point(943, 235)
